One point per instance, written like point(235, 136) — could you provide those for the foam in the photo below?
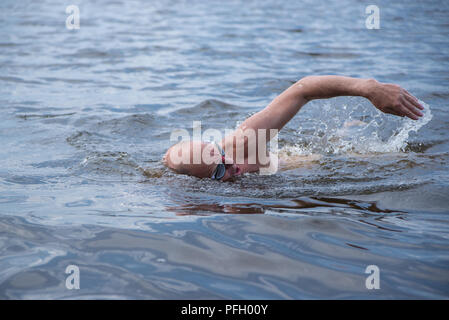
point(345, 133)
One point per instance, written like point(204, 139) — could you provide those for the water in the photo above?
point(87, 115)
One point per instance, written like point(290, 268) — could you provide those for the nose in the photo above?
point(236, 170)
point(233, 169)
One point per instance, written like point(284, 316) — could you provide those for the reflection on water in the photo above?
point(312, 204)
point(87, 116)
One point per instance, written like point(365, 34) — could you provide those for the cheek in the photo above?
point(202, 172)
point(227, 176)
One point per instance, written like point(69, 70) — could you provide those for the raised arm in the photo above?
point(388, 98)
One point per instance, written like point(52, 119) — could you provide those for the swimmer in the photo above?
point(221, 161)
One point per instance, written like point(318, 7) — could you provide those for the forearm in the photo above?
point(387, 97)
point(323, 87)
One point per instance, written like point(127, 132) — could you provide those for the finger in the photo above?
point(413, 100)
point(408, 113)
point(412, 108)
point(393, 111)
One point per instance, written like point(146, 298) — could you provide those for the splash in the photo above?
point(358, 130)
point(398, 142)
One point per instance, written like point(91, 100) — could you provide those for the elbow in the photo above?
point(301, 88)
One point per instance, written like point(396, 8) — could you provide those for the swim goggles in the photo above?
point(220, 170)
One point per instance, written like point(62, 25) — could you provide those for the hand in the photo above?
point(391, 98)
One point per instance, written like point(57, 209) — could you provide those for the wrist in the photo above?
point(367, 87)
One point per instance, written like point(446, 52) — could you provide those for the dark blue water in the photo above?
point(86, 116)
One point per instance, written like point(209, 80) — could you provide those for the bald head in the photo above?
point(194, 158)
